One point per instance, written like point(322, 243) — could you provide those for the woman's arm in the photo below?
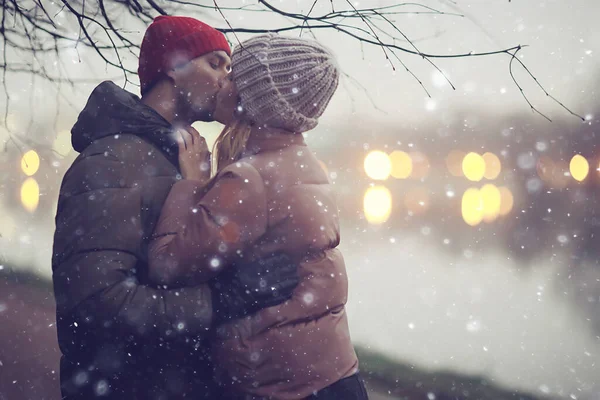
point(201, 231)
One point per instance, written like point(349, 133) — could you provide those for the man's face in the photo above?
point(197, 84)
point(227, 101)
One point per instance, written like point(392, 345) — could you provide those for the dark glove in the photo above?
point(246, 288)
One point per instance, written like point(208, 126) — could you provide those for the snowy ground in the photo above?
point(478, 315)
point(376, 396)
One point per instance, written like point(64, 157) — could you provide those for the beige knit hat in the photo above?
point(284, 82)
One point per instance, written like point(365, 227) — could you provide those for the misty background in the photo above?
point(515, 300)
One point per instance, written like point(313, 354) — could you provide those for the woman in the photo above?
point(269, 195)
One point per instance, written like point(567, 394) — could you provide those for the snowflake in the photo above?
point(215, 263)
point(101, 388)
point(562, 239)
point(308, 298)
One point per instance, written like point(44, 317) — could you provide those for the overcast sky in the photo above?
point(563, 40)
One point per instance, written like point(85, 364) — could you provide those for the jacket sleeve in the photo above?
point(98, 270)
point(201, 231)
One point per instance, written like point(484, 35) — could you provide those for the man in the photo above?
point(120, 337)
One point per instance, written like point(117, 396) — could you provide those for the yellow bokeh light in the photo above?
point(420, 165)
point(454, 162)
point(493, 167)
point(378, 165)
point(473, 166)
point(579, 167)
point(30, 162)
point(30, 194)
point(402, 165)
point(472, 207)
point(506, 200)
point(492, 198)
point(377, 204)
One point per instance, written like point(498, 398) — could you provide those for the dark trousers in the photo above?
point(350, 388)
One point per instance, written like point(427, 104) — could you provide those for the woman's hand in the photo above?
point(194, 157)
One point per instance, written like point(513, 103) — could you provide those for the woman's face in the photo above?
point(227, 101)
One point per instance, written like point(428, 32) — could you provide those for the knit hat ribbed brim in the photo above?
point(284, 82)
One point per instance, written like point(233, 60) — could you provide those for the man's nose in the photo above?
point(223, 78)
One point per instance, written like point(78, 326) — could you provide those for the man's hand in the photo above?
point(245, 289)
point(194, 157)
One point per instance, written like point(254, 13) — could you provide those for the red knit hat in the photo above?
point(170, 41)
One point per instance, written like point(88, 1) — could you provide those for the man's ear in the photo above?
point(173, 74)
point(176, 72)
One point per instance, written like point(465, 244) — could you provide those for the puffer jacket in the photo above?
point(277, 198)
point(121, 336)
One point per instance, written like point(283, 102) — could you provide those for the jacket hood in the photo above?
point(111, 110)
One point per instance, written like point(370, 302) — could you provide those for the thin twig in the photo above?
point(226, 21)
point(364, 90)
point(510, 66)
point(308, 15)
point(514, 57)
point(30, 29)
point(415, 47)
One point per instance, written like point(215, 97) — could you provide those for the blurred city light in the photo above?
point(579, 167)
point(378, 165)
point(30, 162)
point(30, 194)
point(506, 200)
point(472, 206)
point(377, 204)
point(493, 167)
point(473, 167)
point(402, 165)
point(492, 198)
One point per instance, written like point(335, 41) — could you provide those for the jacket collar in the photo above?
point(111, 110)
point(266, 140)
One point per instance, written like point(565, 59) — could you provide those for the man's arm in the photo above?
point(96, 265)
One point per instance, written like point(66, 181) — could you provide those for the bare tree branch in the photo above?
point(514, 57)
point(40, 33)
